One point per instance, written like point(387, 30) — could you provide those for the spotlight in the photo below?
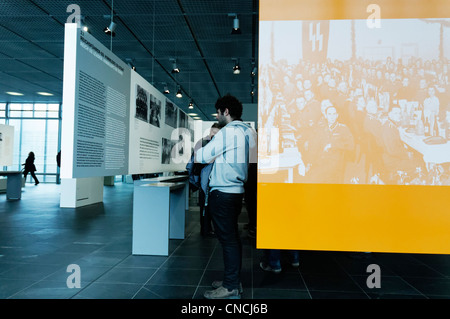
point(191, 105)
point(179, 94)
point(110, 29)
point(236, 67)
point(130, 63)
point(83, 25)
point(166, 89)
point(253, 73)
point(236, 29)
point(175, 68)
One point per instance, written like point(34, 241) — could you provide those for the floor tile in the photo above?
point(127, 275)
point(388, 285)
point(267, 293)
point(9, 287)
point(430, 286)
point(165, 292)
point(338, 283)
point(99, 290)
point(177, 277)
point(46, 290)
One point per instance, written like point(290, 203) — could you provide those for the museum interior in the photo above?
point(104, 92)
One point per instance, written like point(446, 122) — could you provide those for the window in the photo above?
point(36, 129)
point(2, 111)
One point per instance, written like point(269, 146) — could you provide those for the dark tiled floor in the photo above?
point(38, 240)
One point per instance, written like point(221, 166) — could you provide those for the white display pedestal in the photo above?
point(77, 192)
point(13, 184)
point(159, 214)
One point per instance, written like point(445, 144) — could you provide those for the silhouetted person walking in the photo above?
point(30, 168)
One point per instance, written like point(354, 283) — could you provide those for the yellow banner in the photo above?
point(354, 125)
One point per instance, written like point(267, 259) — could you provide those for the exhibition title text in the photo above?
point(100, 55)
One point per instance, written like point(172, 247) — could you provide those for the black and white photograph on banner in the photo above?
point(155, 111)
point(142, 101)
point(354, 104)
point(166, 153)
point(171, 114)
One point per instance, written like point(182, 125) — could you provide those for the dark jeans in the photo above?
point(32, 175)
point(225, 209)
point(273, 257)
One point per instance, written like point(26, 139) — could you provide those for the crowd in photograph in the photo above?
point(341, 114)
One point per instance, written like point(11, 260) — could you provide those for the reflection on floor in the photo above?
point(38, 240)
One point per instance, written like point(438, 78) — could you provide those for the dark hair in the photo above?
point(231, 103)
point(216, 125)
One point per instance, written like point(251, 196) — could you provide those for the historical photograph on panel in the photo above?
point(171, 114)
point(166, 153)
point(353, 103)
point(183, 119)
point(142, 101)
point(191, 128)
point(155, 111)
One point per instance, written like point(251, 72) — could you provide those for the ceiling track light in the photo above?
point(110, 29)
point(112, 26)
point(166, 89)
point(236, 67)
point(130, 63)
point(83, 25)
point(179, 94)
point(254, 69)
point(236, 29)
point(175, 68)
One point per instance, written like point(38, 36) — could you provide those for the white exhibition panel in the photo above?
point(95, 108)
point(6, 145)
point(114, 121)
point(160, 132)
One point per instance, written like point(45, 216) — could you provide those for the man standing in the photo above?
point(231, 149)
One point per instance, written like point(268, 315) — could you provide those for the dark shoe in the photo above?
point(36, 183)
point(266, 267)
